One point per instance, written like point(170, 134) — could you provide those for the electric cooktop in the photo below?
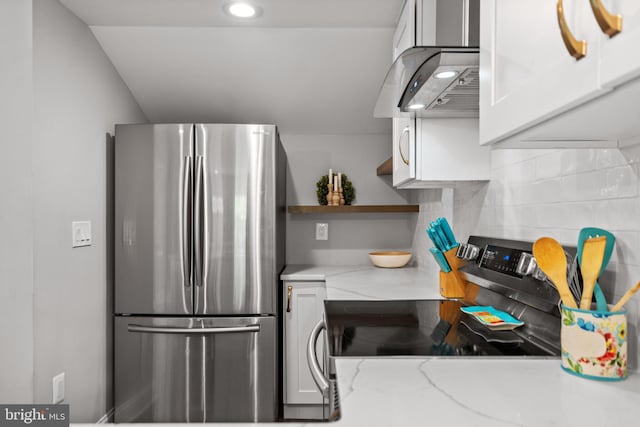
point(418, 328)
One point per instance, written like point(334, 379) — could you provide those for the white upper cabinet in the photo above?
point(536, 90)
point(404, 36)
point(404, 146)
point(439, 152)
point(620, 60)
point(526, 73)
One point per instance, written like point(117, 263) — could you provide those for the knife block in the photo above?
point(453, 284)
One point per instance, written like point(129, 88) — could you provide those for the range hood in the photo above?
point(441, 80)
point(431, 82)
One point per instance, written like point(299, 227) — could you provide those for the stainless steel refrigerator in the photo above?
point(199, 245)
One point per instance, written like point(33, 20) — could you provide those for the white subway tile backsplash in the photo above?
point(627, 248)
point(608, 158)
point(548, 166)
point(622, 181)
point(576, 161)
point(618, 214)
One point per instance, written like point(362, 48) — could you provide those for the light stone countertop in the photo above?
point(459, 391)
point(366, 282)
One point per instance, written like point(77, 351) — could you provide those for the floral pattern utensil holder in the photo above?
point(594, 343)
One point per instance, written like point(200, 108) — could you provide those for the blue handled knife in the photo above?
point(435, 238)
point(440, 259)
point(451, 238)
point(437, 227)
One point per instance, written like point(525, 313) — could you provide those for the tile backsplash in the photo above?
point(535, 193)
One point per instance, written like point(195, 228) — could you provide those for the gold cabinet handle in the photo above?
point(576, 48)
point(406, 130)
point(289, 291)
point(609, 24)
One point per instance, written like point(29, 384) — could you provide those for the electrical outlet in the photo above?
point(81, 233)
point(58, 388)
point(322, 231)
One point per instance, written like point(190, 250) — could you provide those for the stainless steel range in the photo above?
point(499, 273)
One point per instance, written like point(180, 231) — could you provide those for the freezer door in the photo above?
point(235, 219)
point(195, 370)
point(153, 210)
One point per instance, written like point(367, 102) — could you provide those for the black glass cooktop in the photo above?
point(416, 328)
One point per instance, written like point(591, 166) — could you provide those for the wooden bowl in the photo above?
point(390, 259)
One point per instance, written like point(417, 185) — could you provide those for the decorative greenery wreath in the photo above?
point(348, 192)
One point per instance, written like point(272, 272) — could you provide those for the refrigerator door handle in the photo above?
point(199, 223)
point(186, 222)
point(170, 330)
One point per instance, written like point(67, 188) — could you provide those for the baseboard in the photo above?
point(304, 412)
point(106, 418)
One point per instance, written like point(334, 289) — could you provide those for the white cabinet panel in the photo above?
point(455, 155)
point(404, 150)
point(302, 311)
point(526, 73)
point(620, 60)
point(404, 36)
point(447, 153)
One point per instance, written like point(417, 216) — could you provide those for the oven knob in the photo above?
point(467, 251)
point(527, 266)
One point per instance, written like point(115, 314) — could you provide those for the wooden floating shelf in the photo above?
point(385, 168)
point(353, 209)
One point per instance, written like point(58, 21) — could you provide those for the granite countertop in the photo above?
point(460, 391)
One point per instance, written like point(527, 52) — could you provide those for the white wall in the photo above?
point(16, 203)
point(351, 236)
point(78, 98)
point(536, 193)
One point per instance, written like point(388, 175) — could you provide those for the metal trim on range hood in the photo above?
point(412, 81)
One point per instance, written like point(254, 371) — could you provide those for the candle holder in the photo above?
point(325, 191)
point(329, 195)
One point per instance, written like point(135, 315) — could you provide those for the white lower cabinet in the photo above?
point(303, 308)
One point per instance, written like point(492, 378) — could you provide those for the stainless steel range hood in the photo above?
point(431, 82)
point(442, 80)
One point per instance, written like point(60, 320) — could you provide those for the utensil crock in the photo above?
point(594, 343)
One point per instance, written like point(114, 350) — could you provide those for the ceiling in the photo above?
point(309, 66)
point(276, 13)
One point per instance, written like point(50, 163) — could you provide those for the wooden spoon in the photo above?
point(590, 265)
point(626, 297)
point(553, 262)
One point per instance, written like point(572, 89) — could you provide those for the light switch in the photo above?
point(81, 233)
point(58, 388)
point(322, 231)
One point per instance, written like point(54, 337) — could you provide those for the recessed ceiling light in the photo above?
point(416, 106)
point(241, 10)
point(446, 74)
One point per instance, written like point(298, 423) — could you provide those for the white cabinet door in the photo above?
point(303, 309)
point(403, 133)
point(404, 150)
point(620, 60)
point(526, 72)
point(404, 36)
point(447, 151)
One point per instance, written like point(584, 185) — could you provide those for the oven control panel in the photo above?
point(501, 259)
